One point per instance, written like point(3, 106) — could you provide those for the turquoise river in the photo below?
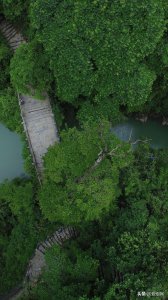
point(11, 146)
point(11, 161)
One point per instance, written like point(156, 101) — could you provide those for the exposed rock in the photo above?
point(165, 121)
point(142, 118)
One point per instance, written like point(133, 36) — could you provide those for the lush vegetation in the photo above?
point(18, 231)
point(124, 252)
point(82, 173)
point(100, 61)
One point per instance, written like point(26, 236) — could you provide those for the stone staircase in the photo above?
point(41, 131)
point(13, 37)
point(37, 263)
point(59, 237)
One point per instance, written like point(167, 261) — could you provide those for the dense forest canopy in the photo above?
point(126, 251)
point(82, 172)
point(103, 54)
point(100, 55)
point(100, 62)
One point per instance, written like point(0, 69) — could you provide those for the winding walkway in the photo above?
point(37, 262)
point(41, 131)
point(38, 119)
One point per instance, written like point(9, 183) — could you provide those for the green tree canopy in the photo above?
point(29, 70)
point(17, 231)
point(126, 252)
point(5, 55)
point(9, 110)
point(14, 8)
point(82, 173)
point(98, 49)
point(69, 276)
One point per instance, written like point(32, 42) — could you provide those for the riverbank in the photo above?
point(152, 130)
point(142, 117)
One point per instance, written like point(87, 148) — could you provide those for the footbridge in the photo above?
point(38, 119)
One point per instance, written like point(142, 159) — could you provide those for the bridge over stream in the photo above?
point(37, 115)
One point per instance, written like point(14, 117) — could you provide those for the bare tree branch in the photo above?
point(130, 136)
point(104, 153)
point(140, 141)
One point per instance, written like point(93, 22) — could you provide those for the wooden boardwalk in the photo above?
point(37, 115)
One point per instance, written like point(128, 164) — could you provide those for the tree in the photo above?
point(70, 275)
point(17, 232)
point(82, 173)
point(99, 49)
point(5, 55)
point(129, 245)
point(13, 9)
point(9, 110)
point(137, 257)
point(29, 70)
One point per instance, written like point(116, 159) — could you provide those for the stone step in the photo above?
point(59, 241)
point(69, 232)
point(33, 120)
point(47, 244)
point(44, 245)
point(9, 34)
point(29, 110)
point(41, 112)
point(13, 43)
point(56, 240)
point(31, 107)
point(41, 249)
point(51, 241)
point(14, 39)
point(5, 26)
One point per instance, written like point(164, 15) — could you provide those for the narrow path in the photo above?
point(37, 262)
point(41, 131)
point(37, 115)
point(40, 127)
point(13, 37)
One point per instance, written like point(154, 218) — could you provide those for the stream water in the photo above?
point(11, 161)
point(152, 130)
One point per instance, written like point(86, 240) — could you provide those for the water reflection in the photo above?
point(154, 131)
point(11, 161)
